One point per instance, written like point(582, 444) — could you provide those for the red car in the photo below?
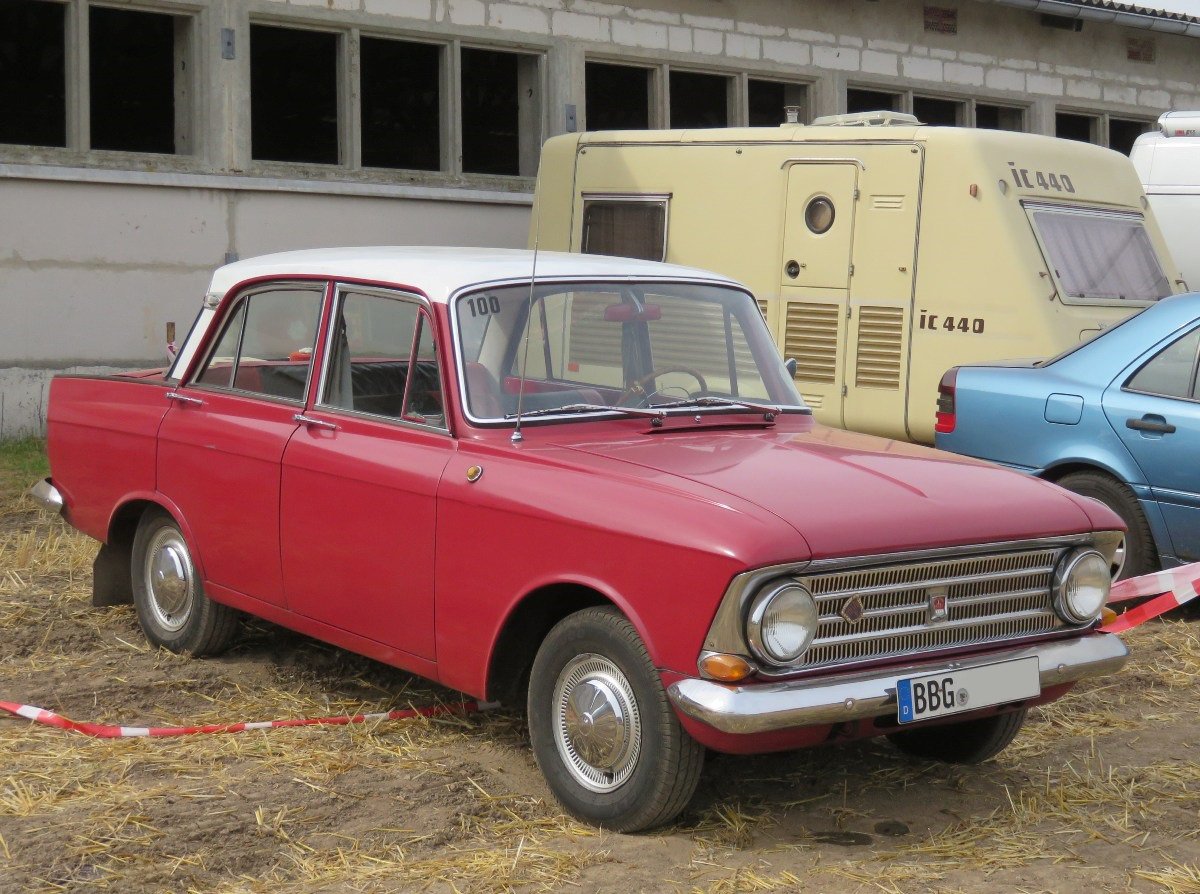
point(583, 482)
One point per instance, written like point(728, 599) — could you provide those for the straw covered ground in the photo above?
point(1101, 792)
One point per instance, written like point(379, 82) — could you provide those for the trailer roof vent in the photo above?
point(1179, 124)
point(866, 119)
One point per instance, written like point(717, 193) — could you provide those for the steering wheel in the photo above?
point(637, 389)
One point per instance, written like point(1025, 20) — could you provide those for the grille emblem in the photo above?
point(852, 611)
point(938, 610)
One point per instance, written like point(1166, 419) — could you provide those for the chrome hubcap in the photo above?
point(169, 579)
point(597, 727)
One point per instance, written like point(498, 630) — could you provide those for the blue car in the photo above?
point(1116, 418)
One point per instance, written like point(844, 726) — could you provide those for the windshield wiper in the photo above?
point(765, 409)
point(588, 408)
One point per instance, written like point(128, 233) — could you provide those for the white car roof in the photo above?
point(440, 272)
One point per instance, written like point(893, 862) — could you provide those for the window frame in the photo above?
point(191, 69)
point(1031, 207)
point(425, 317)
point(532, 121)
point(663, 199)
point(236, 305)
point(968, 102)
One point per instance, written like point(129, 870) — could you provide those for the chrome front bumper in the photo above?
point(46, 495)
point(831, 699)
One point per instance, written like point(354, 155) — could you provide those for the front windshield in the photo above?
point(595, 346)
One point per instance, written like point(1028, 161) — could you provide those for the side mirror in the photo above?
point(790, 365)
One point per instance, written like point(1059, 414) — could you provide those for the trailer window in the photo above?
point(625, 227)
point(1099, 256)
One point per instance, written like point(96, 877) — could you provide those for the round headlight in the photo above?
point(782, 623)
point(1081, 586)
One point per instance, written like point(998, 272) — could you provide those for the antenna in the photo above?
point(517, 437)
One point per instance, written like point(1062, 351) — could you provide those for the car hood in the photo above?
point(852, 494)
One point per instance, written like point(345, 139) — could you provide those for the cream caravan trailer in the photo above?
point(883, 251)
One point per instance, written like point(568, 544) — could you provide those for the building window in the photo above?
point(33, 80)
point(617, 97)
point(401, 104)
point(137, 63)
point(858, 100)
point(1122, 132)
point(500, 108)
point(293, 95)
point(766, 101)
point(939, 112)
point(1070, 126)
point(992, 117)
point(699, 100)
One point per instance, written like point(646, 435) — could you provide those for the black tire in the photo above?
point(169, 596)
point(635, 767)
point(1140, 553)
point(968, 742)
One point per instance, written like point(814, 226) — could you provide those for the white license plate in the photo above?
point(952, 692)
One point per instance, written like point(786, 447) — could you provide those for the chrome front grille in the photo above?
point(988, 598)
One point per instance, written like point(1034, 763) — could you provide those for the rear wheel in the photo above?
point(169, 597)
point(603, 731)
point(968, 742)
point(1137, 554)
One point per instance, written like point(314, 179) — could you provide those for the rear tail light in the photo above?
point(946, 414)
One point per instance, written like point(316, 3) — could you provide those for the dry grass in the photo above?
point(1101, 791)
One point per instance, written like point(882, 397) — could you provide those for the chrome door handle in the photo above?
point(315, 423)
point(1147, 423)
point(183, 398)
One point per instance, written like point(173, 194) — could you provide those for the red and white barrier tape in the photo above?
point(1171, 589)
point(101, 731)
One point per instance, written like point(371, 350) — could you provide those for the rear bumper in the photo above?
point(834, 699)
point(46, 495)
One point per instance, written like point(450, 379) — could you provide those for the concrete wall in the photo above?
point(91, 272)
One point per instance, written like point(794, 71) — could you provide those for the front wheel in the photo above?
point(168, 595)
point(966, 742)
point(603, 732)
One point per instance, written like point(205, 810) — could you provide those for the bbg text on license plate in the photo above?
point(951, 692)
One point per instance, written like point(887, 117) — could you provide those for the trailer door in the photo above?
point(881, 295)
point(815, 271)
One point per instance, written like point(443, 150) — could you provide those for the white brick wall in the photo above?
point(957, 73)
point(467, 12)
point(837, 58)
point(581, 27)
point(786, 51)
point(511, 17)
point(874, 62)
point(1036, 83)
point(922, 69)
point(740, 46)
point(640, 34)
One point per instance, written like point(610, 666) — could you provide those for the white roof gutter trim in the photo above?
point(1128, 18)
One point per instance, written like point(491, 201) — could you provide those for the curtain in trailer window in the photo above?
point(1101, 257)
point(626, 229)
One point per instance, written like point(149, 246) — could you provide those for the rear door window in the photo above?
point(1172, 371)
point(266, 347)
point(383, 359)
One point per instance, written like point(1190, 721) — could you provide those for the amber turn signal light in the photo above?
point(726, 668)
point(1107, 616)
